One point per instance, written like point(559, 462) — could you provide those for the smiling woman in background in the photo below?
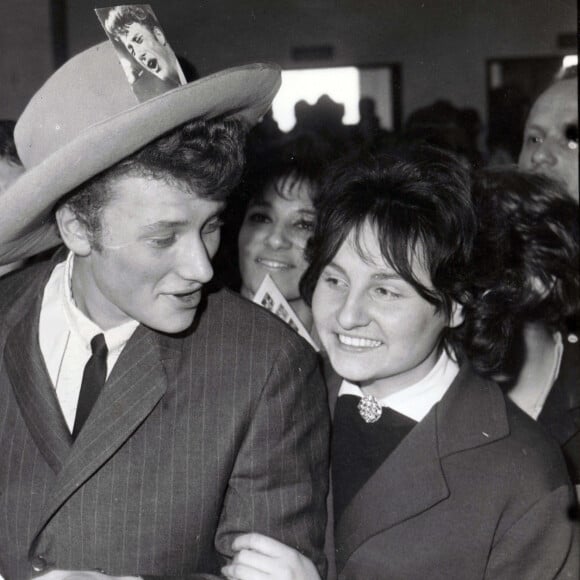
point(279, 190)
point(435, 474)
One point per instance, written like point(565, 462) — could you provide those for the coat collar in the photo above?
point(471, 414)
point(28, 374)
point(559, 414)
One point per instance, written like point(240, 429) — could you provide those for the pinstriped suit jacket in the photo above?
point(194, 439)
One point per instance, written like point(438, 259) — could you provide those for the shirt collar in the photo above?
point(82, 325)
point(416, 400)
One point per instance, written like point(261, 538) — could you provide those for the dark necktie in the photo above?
point(94, 377)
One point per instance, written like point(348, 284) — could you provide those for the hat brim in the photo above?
point(26, 225)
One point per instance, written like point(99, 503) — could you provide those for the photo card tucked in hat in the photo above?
point(147, 58)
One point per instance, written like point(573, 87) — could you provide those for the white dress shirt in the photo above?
point(416, 400)
point(65, 335)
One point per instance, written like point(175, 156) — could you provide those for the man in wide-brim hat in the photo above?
point(145, 422)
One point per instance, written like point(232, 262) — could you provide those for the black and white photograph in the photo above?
point(289, 290)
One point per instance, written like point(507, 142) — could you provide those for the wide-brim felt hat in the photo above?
point(86, 118)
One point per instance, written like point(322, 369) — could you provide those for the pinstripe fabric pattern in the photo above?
point(194, 439)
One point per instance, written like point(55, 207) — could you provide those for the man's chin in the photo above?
point(173, 325)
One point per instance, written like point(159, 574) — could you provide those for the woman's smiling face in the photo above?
point(273, 236)
point(377, 330)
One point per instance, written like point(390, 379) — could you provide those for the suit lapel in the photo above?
point(411, 480)
point(32, 386)
point(131, 392)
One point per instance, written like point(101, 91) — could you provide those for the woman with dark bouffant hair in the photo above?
point(527, 288)
point(271, 219)
point(435, 474)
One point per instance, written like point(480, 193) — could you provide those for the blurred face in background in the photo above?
point(551, 135)
point(274, 233)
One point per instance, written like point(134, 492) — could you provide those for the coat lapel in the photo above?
point(32, 385)
point(131, 392)
point(412, 480)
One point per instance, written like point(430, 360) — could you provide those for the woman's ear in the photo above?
point(73, 232)
point(456, 316)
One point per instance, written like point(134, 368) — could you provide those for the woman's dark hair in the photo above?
point(206, 157)
point(418, 200)
point(302, 157)
point(526, 260)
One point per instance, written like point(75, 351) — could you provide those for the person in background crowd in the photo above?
point(445, 126)
point(145, 422)
point(276, 203)
point(508, 108)
point(10, 169)
point(550, 142)
point(435, 474)
point(528, 281)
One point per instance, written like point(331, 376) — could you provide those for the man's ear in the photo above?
point(73, 232)
point(457, 316)
point(158, 33)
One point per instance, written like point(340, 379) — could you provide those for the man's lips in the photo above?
point(188, 298)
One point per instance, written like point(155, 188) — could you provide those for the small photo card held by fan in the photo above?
point(270, 297)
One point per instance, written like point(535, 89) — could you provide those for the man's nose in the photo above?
point(352, 312)
point(278, 237)
point(195, 262)
point(544, 153)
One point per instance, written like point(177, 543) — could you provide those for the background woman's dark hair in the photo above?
point(300, 157)
point(525, 265)
point(417, 198)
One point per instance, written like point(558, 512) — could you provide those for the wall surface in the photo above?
point(26, 52)
point(442, 45)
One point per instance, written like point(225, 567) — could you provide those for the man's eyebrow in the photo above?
point(164, 224)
